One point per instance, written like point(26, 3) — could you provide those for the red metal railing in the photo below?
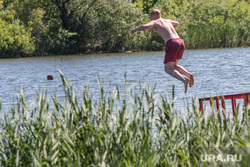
point(245, 96)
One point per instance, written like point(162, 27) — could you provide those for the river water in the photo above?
point(216, 72)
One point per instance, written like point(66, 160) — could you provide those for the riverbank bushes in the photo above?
point(133, 127)
point(77, 26)
point(210, 23)
point(15, 39)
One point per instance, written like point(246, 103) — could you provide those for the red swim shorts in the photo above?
point(174, 50)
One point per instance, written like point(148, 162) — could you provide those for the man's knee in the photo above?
point(168, 69)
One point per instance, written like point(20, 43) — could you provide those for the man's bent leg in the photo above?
point(182, 70)
point(170, 69)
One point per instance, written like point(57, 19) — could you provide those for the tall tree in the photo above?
point(67, 8)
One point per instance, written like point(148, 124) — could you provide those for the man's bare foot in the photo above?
point(191, 80)
point(186, 84)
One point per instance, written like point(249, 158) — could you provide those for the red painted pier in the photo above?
point(233, 98)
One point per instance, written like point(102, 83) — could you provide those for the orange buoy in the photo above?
point(50, 77)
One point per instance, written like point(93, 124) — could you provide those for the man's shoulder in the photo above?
point(164, 20)
point(169, 20)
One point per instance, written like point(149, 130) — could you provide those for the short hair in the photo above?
point(156, 12)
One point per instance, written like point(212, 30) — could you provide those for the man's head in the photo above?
point(155, 14)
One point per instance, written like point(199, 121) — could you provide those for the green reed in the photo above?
point(209, 23)
point(223, 34)
point(130, 128)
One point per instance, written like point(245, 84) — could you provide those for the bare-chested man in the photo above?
point(174, 46)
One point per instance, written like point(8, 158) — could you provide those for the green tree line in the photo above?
point(42, 27)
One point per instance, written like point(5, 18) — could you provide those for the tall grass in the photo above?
point(130, 128)
point(209, 23)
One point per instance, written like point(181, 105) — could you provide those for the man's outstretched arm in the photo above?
point(143, 27)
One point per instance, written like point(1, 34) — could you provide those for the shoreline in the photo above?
point(103, 52)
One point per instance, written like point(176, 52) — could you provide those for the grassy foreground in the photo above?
point(131, 128)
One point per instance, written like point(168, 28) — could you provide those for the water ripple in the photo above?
point(216, 72)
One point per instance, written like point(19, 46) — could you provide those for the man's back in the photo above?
point(165, 28)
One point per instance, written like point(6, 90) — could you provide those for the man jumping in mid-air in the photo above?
point(174, 46)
